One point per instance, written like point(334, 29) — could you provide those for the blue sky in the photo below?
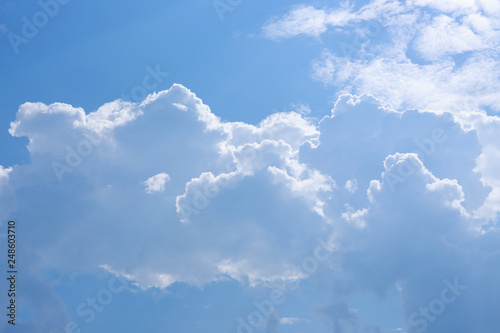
point(245, 166)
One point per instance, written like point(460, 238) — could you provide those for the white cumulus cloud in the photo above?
point(157, 182)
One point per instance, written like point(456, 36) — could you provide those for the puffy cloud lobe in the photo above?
point(4, 175)
point(290, 127)
point(487, 163)
point(304, 182)
point(273, 143)
point(57, 118)
point(199, 191)
point(109, 116)
point(399, 165)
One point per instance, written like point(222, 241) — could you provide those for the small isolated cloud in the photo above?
point(303, 20)
point(157, 183)
point(291, 320)
point(355, 216)
point(351, 185)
